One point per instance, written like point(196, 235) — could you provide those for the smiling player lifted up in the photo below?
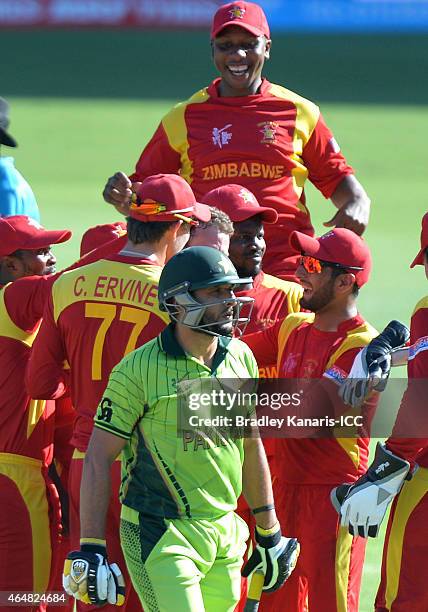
point(243, 129)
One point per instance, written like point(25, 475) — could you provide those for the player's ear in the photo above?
point(11, 267)
point(268, 45)
point(212, 49)
point(345, 282)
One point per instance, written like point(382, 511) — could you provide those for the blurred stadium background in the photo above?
point(88, 81)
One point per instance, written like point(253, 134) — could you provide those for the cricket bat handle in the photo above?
point(255, 591)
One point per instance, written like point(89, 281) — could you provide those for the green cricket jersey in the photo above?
point(167, 473)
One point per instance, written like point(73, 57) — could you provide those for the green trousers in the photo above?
point(184, 565)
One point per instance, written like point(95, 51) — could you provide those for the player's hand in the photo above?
point(118, 191)
point(363, 505)
point(274, 555)
point(88, 577)
point(372, 365)
point(354, 215)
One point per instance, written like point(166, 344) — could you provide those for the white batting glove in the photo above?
point(371, 367)
point(88, 577)
point(275, 556)
point(362, 505)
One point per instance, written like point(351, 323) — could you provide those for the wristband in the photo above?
point(263, 508)
point(268, 532)
point(96, 541)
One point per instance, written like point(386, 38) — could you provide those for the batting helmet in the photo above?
point(198, 268)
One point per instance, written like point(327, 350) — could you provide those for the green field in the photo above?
point(84, 104)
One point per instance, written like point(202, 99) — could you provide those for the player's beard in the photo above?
point(320, 298)
point(222, 329)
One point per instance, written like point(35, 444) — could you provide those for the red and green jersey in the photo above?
point(305, 352)
point(26, 424)
point(95, 316)
point(413, 405)
point(270, 142)
point(274, 300)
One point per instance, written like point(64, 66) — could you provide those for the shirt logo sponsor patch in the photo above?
point(221, 137)
point(105, 410)
point(419, 346)
point(247, 169)
point(236, 12)
point(327, 235)
point(336, 374)
point(290, 362)
point(268, 131)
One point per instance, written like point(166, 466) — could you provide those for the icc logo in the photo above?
point(221, 136)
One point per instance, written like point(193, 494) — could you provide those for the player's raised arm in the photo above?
point(353, 204)
point(118, 192)
point(157, 157)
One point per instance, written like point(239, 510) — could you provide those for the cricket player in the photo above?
point(243, 129)
point(100, 235)
point(216, 233)
point(29, 509)
point(100, 312)
point(182, 541)
point(274, 298)
point(399, 474)
point(320, 345)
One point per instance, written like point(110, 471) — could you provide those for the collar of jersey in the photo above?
point(170, 345)
point(212, 91)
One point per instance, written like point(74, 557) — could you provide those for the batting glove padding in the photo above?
point(89, 577)
point(363, 505)
point(372, 365)
point(275, 556)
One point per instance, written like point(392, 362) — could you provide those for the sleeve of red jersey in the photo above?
point(45, 377)
point(412, 417)
point(264, 344)
point(157, 157)
point(322, 156)
point(25, 300)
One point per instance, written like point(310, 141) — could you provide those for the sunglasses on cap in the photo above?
point(152, 208)
point(313, 265)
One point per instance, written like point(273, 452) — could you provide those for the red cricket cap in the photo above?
point(98, 235)
point(239, 203)
point(340, 246)
point(245, 15)
point(22, 232)
point(419, 259)
point(167, 197)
